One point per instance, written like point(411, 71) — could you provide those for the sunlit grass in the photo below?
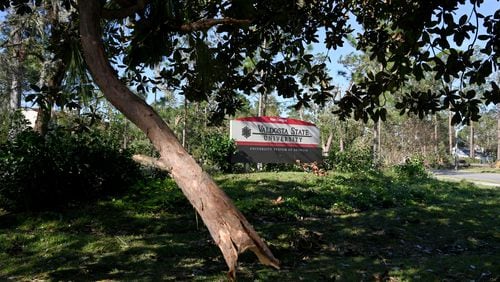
point(361, 226)
point(481, 169)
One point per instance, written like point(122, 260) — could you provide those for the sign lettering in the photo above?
point(275, 140)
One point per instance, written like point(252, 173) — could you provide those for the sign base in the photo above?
point(261, 154)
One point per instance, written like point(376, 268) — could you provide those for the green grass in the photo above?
point(481, 169)
point(344, 226)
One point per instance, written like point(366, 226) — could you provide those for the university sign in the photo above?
point(275, 140)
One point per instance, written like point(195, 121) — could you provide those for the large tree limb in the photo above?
point(205, 24)
point(227, 226)
point(127, 10)
point(150, 161)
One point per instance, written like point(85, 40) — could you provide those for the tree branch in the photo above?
point(230, 230)
point(150, 161)
point(125, 11)
point(208, 23)
point(204, 24)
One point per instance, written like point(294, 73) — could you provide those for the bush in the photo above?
point(351, 160)
point(218, 150)
point(412, 168)
point(61, 170)
point(271, 167)
point(11, 124)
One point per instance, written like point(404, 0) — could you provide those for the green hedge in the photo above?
point(61, 170)
point(351, 160)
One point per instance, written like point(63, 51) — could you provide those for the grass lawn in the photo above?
point(481, 169)
point(344, 227)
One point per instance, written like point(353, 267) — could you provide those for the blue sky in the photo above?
point(488, 7)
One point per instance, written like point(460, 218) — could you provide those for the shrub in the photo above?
point(271, 167)
point(61, 170)
point(218, 149)
point(11, 124)
point(351, 160)
point(412, 168)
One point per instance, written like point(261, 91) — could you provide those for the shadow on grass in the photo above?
point(113, 240)
point(375, 228)
point(342, 227)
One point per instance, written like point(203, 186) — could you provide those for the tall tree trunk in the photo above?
point(262, 104)
point(436, 137)
point(263, 95)
point(326, 146)
point(472, 145)
point(450, 133)
point(379, 139)
point(343, 130)
point(376, 140)
point(227, 226)
point(262, 110)
point(498, 132)
point(125, 136)
point(52, 75)
point(16, 70)
point(184, 123)
point(45, 106)
point(15, 93)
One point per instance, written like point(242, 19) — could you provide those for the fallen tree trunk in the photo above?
point(227, 226)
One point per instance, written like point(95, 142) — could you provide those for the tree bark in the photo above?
point(450, 133)
point(498, 132)
point(227, 226)
point(51, 78)
point(376, 141)
point(52, 74)
point(326, 146)
point(16, 71)
point(472, 145)
point(379, 139)
point(436, 137)
point(184, 123)
point(343, 132)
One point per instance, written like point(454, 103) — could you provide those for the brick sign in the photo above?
point(275, 140)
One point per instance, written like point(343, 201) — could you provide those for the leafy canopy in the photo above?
point(200, 48)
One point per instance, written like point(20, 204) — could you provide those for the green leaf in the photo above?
point(30, 97)
point(484, 37)
point(470, 94)
point(462, 20)
point(35, 87)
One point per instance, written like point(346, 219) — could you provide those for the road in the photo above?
point(490, 179)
